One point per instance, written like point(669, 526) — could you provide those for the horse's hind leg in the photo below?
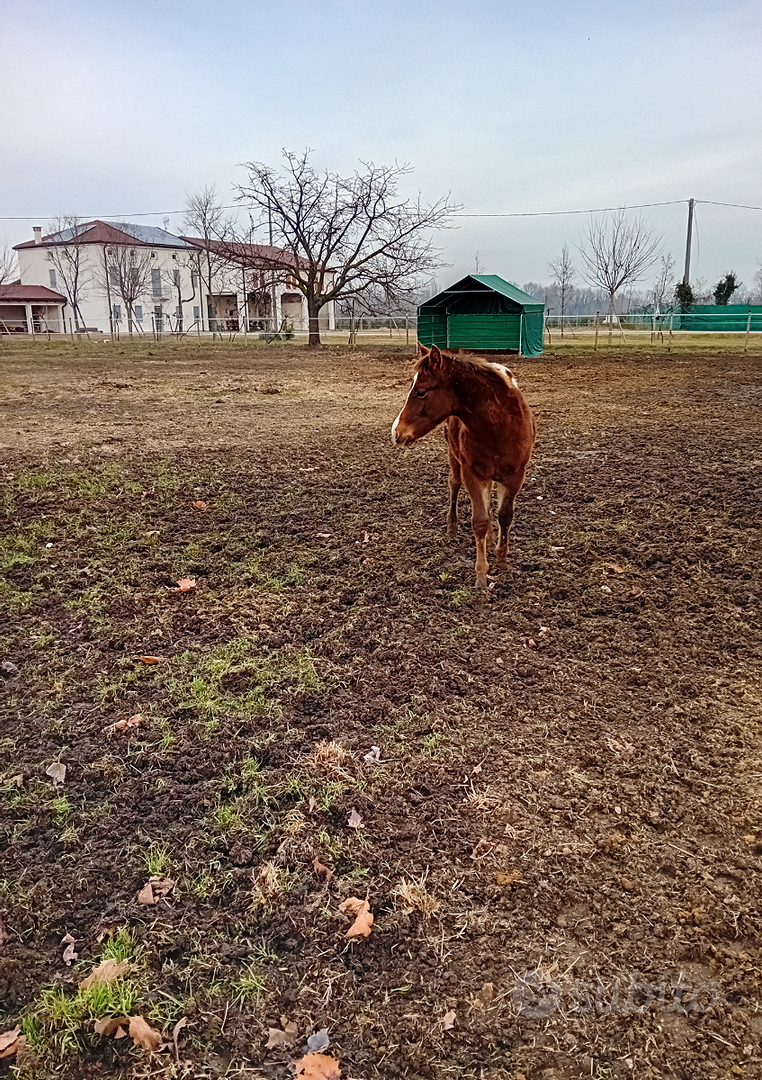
point(480, 499)
point(455, 481)
point(506, 497)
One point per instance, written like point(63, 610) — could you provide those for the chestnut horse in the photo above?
point(490, 433)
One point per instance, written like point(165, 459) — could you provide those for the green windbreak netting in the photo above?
point(721, 318)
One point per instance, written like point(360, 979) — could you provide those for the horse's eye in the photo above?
point(420, 393)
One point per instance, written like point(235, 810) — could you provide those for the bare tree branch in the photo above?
point(208, 223)
point(343, 236)
point(68, 257)
point(616, 251)
point(563, 277)
point(126, 274)
point(8, 264)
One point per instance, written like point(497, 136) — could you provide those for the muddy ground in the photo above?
point(562, 841)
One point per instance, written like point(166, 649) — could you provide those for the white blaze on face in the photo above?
point(396, 422)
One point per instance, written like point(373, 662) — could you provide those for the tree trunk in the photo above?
point(611, 316)
point(312, 312)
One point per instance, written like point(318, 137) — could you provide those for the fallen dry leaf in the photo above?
point(107, 1025)
point(144, 1035)
point(152, 659)
point(616, 567)
point(363, 918)
point(286, 1037)
point(199, 504)
point(311, 804)
point(373, 757)
point(132, 724)
point(484, 847)
point(318, 1041)
point(448, 1020)
point(185, 584)
point(11, 1042)
point(4, 935)
point(508, 877)
point(176, 1031)
point(14, 781)
point(69, 952)
point(323, 872)
point(634, 594)
point(317, 1067)
point(354, 821)
point(57, 772)
point(106, 972)
point(154, 889)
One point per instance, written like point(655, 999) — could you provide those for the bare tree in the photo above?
point(664, 284)
point(563, 274)
point(68, 255)
point(8, 265)
point(478, 268)
point(616, 251)
point(126, 274)
point(341, 236)
point(758, 282)
point(207, 221)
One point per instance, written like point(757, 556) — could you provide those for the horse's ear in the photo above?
point(435, 356)
point(423, 350)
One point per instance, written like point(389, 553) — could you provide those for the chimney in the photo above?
point(37, 234)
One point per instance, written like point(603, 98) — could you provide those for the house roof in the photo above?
point(250, 253)
point(29, 293)
point(485, 283)
point(110, 232)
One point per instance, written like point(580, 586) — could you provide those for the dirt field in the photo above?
point(561, 841)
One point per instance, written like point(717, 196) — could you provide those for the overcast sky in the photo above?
point(113, 109)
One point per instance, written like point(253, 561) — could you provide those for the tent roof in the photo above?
point(485, 283)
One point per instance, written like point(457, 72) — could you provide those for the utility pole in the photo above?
point(686, 275)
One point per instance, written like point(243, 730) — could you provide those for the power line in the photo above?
point(518, 214)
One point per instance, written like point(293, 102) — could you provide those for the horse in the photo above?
point(490, 431)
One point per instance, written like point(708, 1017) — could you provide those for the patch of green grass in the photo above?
point(250, 986)
point(460, 596)
point(432, 743)
point(61, 808)
point(239, 679)
point(156, 859)
point(226, 817)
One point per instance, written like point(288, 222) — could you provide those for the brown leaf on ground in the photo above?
point(448, 1020)
point(185, 584)
point(199, 504)
point(132, 724)
point(5, 937)
point(616, 567)
point(108, 1025)
point(323, 872)
point(354, 821)
point(144, 1035)
point(507, 877)
point(106, 972)
point(11, 1042)
point(154, 889)
point(483, 848)
point(634, 594)
point(69, 952)
point(176, 1031)
point(152, 659)
point(361, 927)
point(14, 781)
point(57, 772)
point(286, 1037)
point(317, 1067)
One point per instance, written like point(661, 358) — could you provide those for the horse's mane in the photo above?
point(477, 363)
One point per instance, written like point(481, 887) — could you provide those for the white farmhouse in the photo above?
point(123, 278)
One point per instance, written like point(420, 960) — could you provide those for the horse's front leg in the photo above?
point(506, 497)
point(479, 492)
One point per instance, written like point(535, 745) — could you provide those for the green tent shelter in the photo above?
point(484, 313)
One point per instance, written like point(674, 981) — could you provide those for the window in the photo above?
point(53, 281)
point(178, 312)
point(156, 282)
point(174, 254)
point(139, 312)
point(113, 275)
point(117, 313)
point(197, 313)
point(153, 254)
point(176, 278)
point(158, 319)
point(194, 280)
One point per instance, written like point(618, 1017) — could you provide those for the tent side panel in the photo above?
point(432, 327)
point(531, 333)
point(483, 331)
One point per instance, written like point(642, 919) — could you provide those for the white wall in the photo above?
point(35, 265)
